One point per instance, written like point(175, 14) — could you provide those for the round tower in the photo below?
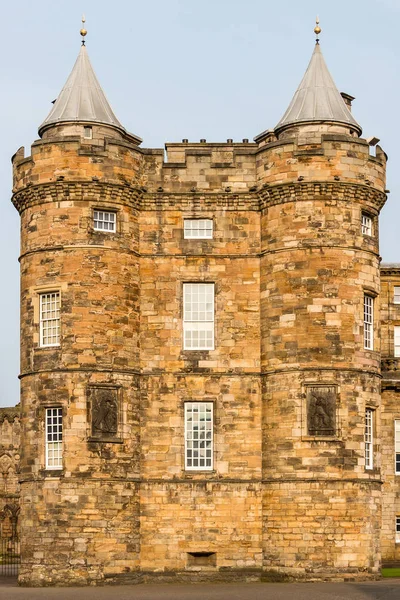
point(321, 194)
point(77, 194)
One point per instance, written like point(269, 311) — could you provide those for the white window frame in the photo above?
point(198, 229)
point(199, 440)
point(54, 434)
point(396, 341)
point(198, 316)
point(49, 318)
point(368, 322)
point(102, 221)
point(369, 438)
point(397, 524)
point(397, 446)
point(366, 224)
point(87, 132)
point(396, 294)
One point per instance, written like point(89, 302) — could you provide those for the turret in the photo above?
point(77, 194)
point(321, 193)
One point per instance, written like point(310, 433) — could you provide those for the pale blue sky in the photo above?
point(190, 69)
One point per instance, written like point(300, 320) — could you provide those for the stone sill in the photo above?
point(320, 438)
point(105, 440)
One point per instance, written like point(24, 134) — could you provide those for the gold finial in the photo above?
point(83, 31)
point(317, 29)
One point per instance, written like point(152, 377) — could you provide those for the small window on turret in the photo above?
point(366, 224)
point(87, 133)
point(104, 221)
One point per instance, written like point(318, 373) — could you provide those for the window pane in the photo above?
point(396, 298)
point(198, 316)
point(397, 341)
point(397, 446)
point(366, 224)
point(198, 229)
point(198, 451)
point(368, 322)
point(368, 437)
point(54, 438)
point(50, 319)
point(104, 221)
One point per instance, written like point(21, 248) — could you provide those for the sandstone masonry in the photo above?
point(298, 439)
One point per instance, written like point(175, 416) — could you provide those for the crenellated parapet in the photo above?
point(332, 157)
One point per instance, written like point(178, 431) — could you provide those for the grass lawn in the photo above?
point(390, 572)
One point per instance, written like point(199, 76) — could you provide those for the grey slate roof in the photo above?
point(317, 98)
point(81, 98)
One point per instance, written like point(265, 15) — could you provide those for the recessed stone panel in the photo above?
point(321, 410)
point(104, 412)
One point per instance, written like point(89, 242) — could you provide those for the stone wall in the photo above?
point(10, 441)
point(289, 266)
point(390, 317)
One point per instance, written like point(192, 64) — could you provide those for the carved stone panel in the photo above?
point(104, 412)
point(321, 410)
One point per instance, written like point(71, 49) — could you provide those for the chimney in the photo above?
point(347, 99)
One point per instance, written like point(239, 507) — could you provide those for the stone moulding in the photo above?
point(197, 201)
point(77, 191)
point(138, 199)
point(280, 193)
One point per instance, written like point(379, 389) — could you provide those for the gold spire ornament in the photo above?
point(83, 31)
point(317, 29)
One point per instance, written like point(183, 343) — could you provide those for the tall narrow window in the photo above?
point(198, 316)
point(54, 438)
point(396, 296)
point(104, 221)
point(397, 341)
point(369, 438)
point(199, 435)
point(366, 224)
point(397, 530)
point(50, 319)
point(397, 446)
point(198, 229)
point(368, 322)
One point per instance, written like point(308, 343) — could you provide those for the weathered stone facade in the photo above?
point(9, 469)
point(289, 378)
point(390, 318)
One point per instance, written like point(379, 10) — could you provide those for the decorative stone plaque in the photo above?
point(104, 411)
point(321, 410)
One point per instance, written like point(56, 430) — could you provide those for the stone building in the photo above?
point(9, 469)
point(208, 348)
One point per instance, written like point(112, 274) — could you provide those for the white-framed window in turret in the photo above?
point(368, 322)
point(397, 529)
point(198, 229)
point(366, 224)
point(198, 316)
point(54, 437)
point(49, 310)
point(369, 438)
point(396, 294)
point(396, 340)
point(199, 436)
point(397, 446)
point(104, 220)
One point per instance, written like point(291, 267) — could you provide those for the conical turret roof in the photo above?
point(317, 98)
point(82, 98)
